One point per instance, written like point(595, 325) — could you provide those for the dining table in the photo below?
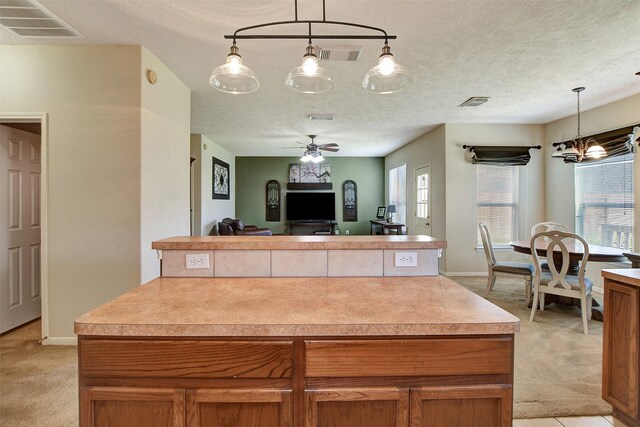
point(597, 253)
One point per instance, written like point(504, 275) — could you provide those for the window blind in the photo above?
point(497, 202)
point(605, 202)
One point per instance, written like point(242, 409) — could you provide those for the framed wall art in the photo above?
point(221, 182)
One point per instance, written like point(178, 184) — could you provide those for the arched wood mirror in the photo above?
point(349, 201)
point(273, 201)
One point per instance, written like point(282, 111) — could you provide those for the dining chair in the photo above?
point(547, 226)
point(522, 269)
point(556, 281)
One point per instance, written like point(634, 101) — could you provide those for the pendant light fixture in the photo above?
point(576, 150)
point(388, 76)
point(233, 76)
point(236, 78)
point(309, 77)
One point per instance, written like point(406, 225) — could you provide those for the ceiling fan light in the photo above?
point(233, 76)
point(570, 151)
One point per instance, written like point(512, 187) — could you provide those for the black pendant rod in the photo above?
point(237, 36)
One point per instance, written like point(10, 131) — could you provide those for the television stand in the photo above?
point(325, 225)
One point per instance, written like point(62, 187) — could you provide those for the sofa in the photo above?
point(235, 227)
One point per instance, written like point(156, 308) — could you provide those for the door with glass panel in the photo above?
point(422, 218)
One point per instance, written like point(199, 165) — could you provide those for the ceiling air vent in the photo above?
point(474, 101)
point(339, 53)
point(316, 116)
point(28, 19)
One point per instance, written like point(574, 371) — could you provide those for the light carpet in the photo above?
point(557, 367)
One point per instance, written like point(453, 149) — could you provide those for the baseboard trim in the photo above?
point(467, 273)
point(60, 341)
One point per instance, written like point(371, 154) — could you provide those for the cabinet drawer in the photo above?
point(420, 357)
point(185, 359)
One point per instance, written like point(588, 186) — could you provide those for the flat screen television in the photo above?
point(311, 206)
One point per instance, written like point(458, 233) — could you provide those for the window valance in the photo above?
point(500, 155)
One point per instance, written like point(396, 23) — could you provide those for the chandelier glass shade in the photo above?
point(309, 77)
point(236, 78)
point(388, 76)
point(233, 76)
point(578, 150)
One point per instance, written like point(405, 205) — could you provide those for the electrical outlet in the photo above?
point(197, 261)
point(406, 259)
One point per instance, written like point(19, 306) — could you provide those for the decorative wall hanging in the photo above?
point(309, 176)
point(273, 201)
point(349, 201)
point(500, 155)
point(221, 183)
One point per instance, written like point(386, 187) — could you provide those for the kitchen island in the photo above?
point(320, 351)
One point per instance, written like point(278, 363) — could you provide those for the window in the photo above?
point(604, 202)
point(398, 192)
point(497, 203)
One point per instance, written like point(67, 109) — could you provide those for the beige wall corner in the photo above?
point(164, 146)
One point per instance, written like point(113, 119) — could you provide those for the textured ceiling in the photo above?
point(525, 55)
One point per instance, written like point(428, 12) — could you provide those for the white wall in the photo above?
point(102, 194)
point(211, 210)
point(92, 96)
point(559, 177)
point(461, 221)
point(164, 145)
point(428, 149)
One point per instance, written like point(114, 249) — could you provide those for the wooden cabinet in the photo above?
point(131, 406)
point(223, 408)
point(470, 406)
point(366, 407)
point(621, 345)
point(296, 382)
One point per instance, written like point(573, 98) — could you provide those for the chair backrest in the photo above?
point(559, 265)
point(547, 226)
point(485, 235)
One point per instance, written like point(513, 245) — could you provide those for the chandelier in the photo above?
point(577, 150)
point(236, 78)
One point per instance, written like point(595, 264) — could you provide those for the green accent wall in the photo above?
point(252, 174)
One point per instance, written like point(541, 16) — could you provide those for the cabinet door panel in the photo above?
point(620, 358)
point(366, 407)
point(472, 406)
point(128, 406)
point(239, 408)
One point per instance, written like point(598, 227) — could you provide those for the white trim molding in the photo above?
point(60, 341)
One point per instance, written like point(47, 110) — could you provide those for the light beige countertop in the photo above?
point(319, 306)
point(629, 276)
point(299, 242)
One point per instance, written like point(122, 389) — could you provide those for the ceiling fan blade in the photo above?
point(331, 149)
point(332, 144)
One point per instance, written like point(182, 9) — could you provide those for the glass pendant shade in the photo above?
point(309, 77)
point(558, 153)
point(570, 151)
point(596, 151)
point(234, 77)
point(388, 76)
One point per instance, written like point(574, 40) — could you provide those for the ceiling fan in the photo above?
point(312, 152)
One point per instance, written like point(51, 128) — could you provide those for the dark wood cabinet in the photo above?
point(621, 344)
point(232, 407)
point(132, 406)
point(296, 382)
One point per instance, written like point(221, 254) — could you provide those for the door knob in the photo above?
point(426, 223)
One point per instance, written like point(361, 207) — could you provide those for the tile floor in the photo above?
point(606, 421)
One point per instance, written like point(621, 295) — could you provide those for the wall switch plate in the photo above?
point(197, 261)
point(406, 259)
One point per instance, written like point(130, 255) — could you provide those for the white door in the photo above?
point(19, 227)
point(422, 219)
